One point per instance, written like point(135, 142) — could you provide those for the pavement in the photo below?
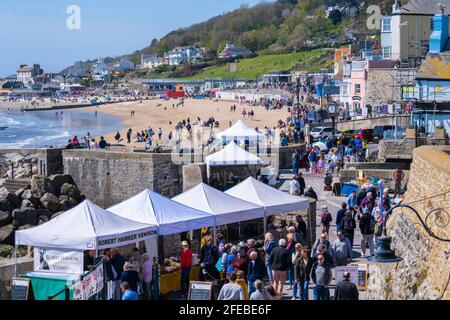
point(334, 204)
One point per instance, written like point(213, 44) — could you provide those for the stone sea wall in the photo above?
point(108, 178)
point(424, 273)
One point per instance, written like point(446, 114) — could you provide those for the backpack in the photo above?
point(378, 231)
point(348, 225)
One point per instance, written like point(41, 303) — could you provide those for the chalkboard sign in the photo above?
point(199, 290)
point(20, 288)
point(363, 275)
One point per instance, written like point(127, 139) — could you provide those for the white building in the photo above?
point(150, 61)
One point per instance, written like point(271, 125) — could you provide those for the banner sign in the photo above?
point(91, 284)
point(124, 239)
point(353, 270)
point(58, 260)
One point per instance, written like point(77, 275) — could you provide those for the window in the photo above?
point(357, 88)
point(386, 52)
point(386, 25)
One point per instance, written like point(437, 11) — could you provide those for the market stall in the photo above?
point(231, 155)
point(59, 244)
point(240, 131)
point(274, 201)
point(170, 217)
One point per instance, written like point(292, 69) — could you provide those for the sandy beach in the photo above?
point(153, 114)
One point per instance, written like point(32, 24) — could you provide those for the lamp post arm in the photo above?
point(423, 222)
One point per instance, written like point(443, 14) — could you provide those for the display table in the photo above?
point(171, 281)
point(45, 285)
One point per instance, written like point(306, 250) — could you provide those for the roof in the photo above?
point(381, 64)
point(426, 7)
point(240, 131)
point(435, 66)
point(232, 154)
point(25, 69)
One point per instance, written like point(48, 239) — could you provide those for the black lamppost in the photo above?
point(384, 253)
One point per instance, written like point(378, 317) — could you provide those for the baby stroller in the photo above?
point(208, 272)
point(328, 181)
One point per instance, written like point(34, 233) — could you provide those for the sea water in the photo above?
point(52, 128)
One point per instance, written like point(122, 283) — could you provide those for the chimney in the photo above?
point(439, 37)
point(396, 7)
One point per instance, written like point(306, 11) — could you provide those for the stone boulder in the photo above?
point(41, 185)
point(5, 218)
point(11, 198)
point(25, 216)
point(44, 212)
point(66, 203)
point(50, 202)
point(19, 193)
point(7, 235)
point(71, 191)
point(26, 226)
point(27, 204)
point(28, 195)
point(58, 180)
point(43, 219)
point(5, 206)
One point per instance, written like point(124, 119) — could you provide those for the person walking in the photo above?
point(147, 269)
point(296, 257)
point(231, 290)
point(255, 271)
point(301, 226)
point(303, 269)
point(291, 243)
point(312, 158)
point(397, 177)
point(129, 133)
point(301, 182)
point(294, 187)
point(323, 240)
point(296, 157)
point(367, 227)
point(279, 261)
point(345, 289)
point(321, 276)
point(269, 245)
point(348, 225)
point(185, 265)
point(342, 250)
point(325, 219)
point(339, 215)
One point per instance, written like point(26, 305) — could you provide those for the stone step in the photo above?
point(14, 185)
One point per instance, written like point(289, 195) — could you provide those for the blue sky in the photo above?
point(35, 31)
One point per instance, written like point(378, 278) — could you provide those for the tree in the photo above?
point(335, 16)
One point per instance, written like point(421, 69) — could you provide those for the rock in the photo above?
point(66, 203)
point(25, 216)
point(5, 218)
point(27, 204)
point(26, 226)
point(28, 195)
point(50, 202)
point(3, 191)
point(43, 219)
point(11, 198)
point(7, 235)
point(71, 191)
point(44, 212)
point(5, 206)
point(19, 193)
point(58, 180)
point(41, 185)
point(7, 251)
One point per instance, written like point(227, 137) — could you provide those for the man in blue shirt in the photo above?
point(352, 201)
point(128, 294)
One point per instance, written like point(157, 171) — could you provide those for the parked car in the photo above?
point(321, 132)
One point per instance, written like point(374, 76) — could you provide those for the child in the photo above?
point(241, 281)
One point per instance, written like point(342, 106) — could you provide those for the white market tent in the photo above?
point(274, 201)
point(240, 131)
point(232, 154)
point(169, 216)
point(85, 227)
point(227, 209)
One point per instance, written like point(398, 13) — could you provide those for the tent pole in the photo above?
point(15, 260)
point(265, 222)
point(215, 235)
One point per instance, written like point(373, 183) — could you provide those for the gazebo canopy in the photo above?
point(232, 154)
point(85, 227)
point(226, 208)
point(169, 216)
point(240, 131)
point(274, 201)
